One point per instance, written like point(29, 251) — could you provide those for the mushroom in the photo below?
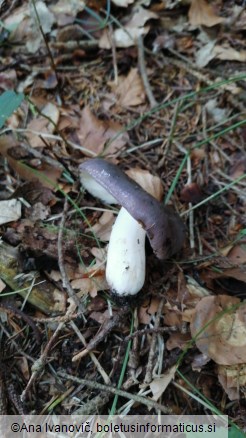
point(140, 214)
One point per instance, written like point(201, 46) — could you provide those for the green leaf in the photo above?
point(9, 102)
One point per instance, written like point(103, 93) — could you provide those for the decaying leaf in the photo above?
point(42, 126)
point(212, 51)
point(46, 19)
point(205, 54)
point(229, 54)
point(237, 254)
point(100, 317)
point(129, 90)
point(2, 285)
point(94, 134)
point(195, 290)
point(84, 286)
point(178, 340)
point(147, 310)
point(217, 113)
point(219, 329)
point(232, 378)
point(150, 183)
point(102, 229)
point(201, 13)
point(159, 385)
point(127, 36)
point(66, 11)
point(10, 211)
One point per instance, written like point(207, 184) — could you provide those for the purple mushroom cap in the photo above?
point(164, 228)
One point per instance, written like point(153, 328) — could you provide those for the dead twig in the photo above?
point(138, 399)
point(143, 73)
point(19, 313)
point(47, 47)
point(92, 355)
point(40, 363)
point(73, 45)
point(150, 331)
point(93, 406)
point(105, 330)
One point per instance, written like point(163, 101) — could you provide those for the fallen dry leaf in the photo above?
point(147, 310)
point(2, 285)
point(41, 125)
point(84, 286)
point(19, 22)
point(46, 20)
point(39, 211)
point(94, 134)
point(178, 340)
point(101, 317)
point(211, 51)
point(195, 290)
point(232, 378)
point(128, 35)
point(238, 167)
point(204, 55)
point(9, 211)
point(229, 54)
point(239, 273)
point(129, 90)
point(218, 114)
point(224, 338)
point(34, 192)
point(66, 11)
point(237, 254)
point(202, 13)
point(159, 385)
point(150, 183)
point(172, 316)
point(102, 229)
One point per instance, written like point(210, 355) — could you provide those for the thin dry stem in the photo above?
point(138, 399)
point(143, 73)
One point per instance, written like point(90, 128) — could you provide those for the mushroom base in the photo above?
point(125, 271)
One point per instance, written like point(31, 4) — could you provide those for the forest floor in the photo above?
point(157, 88)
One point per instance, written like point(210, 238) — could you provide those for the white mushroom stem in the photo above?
point(125, 271)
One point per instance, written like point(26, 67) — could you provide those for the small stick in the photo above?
point(143, 72)
point(95, 385)
point(40, 363)
point(92, 355)
point(105, 330)
point(150, 331)
point(47, 46)
point(112, 43)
